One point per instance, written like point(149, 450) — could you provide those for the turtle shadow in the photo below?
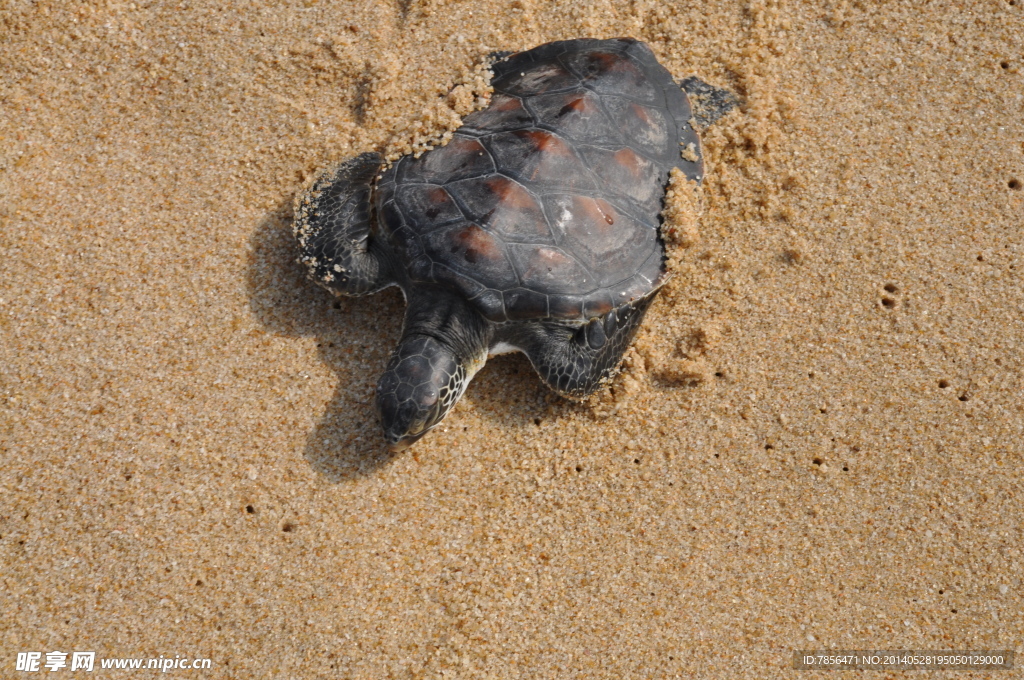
point(353, 338)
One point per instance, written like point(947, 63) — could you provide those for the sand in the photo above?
point(816, 444)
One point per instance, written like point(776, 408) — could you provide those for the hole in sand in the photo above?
point(963, 397)
point(817, 461)
point(1014, 184)
point(251, 510)
point(287, 527)
point(579, 468)
point(943, 384)
point(888, 302)
point(891, 288)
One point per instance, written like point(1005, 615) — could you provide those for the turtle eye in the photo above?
point(426, 396)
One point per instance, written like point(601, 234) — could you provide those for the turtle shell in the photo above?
point(547, 203)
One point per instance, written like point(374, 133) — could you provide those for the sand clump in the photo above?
point(469, 91)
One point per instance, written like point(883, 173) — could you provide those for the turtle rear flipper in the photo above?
point(709, 103)
point(332, 224)
point(574, 361)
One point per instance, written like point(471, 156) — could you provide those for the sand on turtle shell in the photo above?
point(816, 442)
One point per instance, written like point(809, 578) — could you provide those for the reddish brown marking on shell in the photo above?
point(599, 212)
point(467, 147)
point(459, 150)
point(545, 142)
point(598, 308)
point(505, 103)
point(438, 198)
point(641, 113)
point(606, 210)
point(477, 243)
point(627, 66)
point(552, 153)
point(601, 63)
point(628, 159)
point(565, 307)
point(604, 61)
point(461, 157)
point(579, 105)
point(510, 192)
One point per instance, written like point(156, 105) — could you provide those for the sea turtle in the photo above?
point(535, 229)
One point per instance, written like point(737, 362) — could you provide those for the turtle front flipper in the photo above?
point(332, 224)
point(573, 361)
point(709, 103)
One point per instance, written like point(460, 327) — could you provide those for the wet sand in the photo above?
point(816, 443)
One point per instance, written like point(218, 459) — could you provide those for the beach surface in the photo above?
point(817, 441)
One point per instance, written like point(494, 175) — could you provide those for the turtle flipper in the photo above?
point(332, 224)
point(709, 103)
point(573, 361)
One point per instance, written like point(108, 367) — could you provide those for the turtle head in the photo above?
point(422, 382)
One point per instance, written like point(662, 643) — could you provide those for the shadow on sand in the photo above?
point(346, 442)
